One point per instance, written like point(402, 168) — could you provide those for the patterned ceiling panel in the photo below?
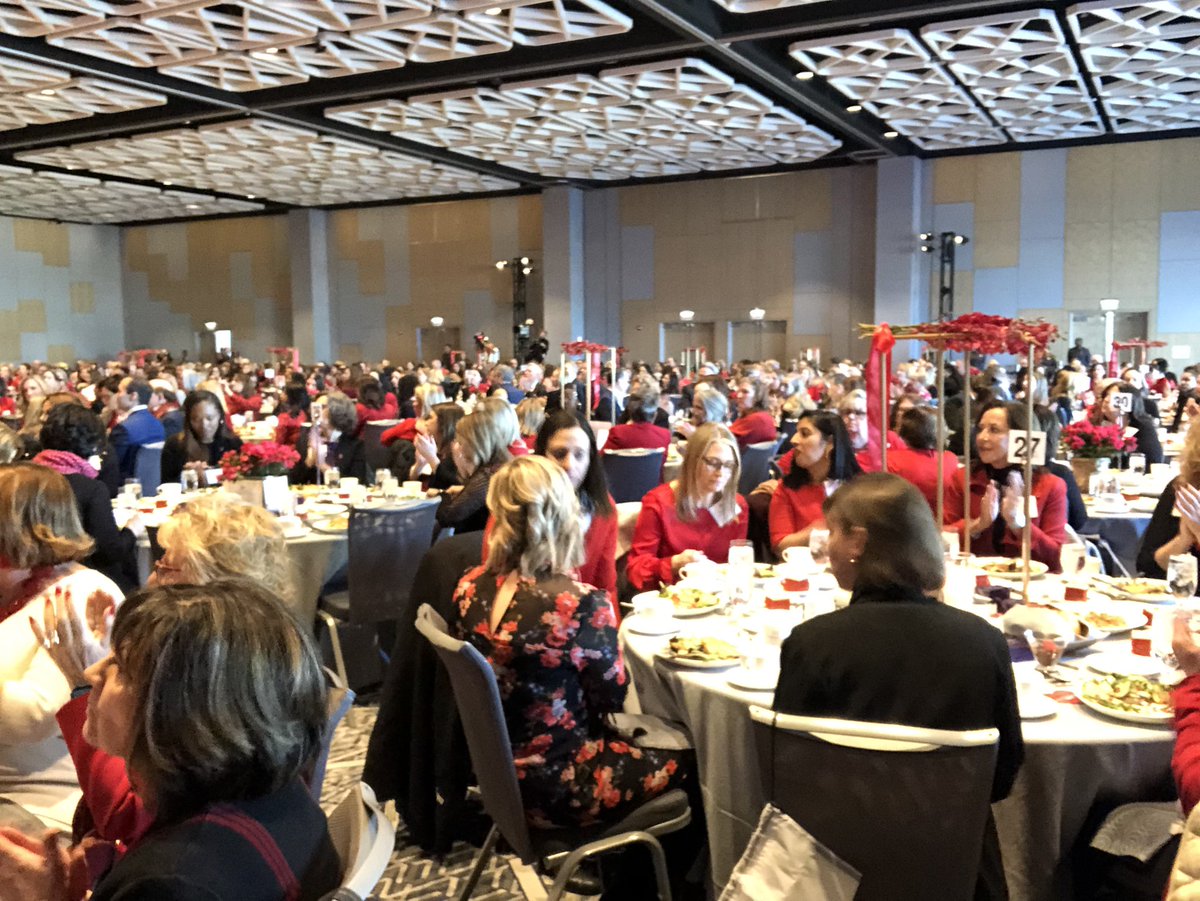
point(260, 44)
point(662, 118)
point(52, 195)
point(256, 158)
point(754, 6)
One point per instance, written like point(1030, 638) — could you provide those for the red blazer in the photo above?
point(920, 467)
point(1049, 526)
point(405, 430)
point(754, 428)
point(1185, 762)
point(659, 535)
point(634, 435)
point(793, 509)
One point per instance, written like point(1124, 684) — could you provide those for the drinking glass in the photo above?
point(1137, 464)
point(818, 543)
point(739, 572)
point(1073, 559)
point(1047, 648)
point(133, 489)
point(190, 480)
point(332, 478)
point(950, 545)
point(1181, 576)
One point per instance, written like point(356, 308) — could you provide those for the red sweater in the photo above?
point(287, 430)
point(405, 430)
point(389, 410)
point(659, 535)
point(754, 428)
point(634, 435)
point(1185, 762)
point(1049, 526)
point(793, 509)
point(235, 403)
point(920, 467)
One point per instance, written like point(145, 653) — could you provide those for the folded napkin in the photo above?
point(1139, 830)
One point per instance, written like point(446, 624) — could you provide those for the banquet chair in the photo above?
point(338, 702)
point(632, 473)
point(756, 465)
point(904, 806)
point(787, 428)
point(378, 456)
point(385, 546)
point(364, 839)
point(147, 467)
point(556, 851)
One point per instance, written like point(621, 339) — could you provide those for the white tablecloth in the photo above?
point(1073, 761)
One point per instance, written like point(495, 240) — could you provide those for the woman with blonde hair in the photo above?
point(1171, 532)
point(531, 413)
point(42, 544)
point(480, 447)
point(425, 397)
point(553, 645)
point(691, 518)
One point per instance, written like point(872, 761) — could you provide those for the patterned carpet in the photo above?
point(412, 875)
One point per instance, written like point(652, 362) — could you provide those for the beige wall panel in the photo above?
point(698, 208)
point(83, 297)
point(529, 222)
point(10, 335)
point(1179, 171)
point(51, 239)
point(739, 197)
point(774, 269)
point(997, 243)
point(372, 273)
point(60, 353)
point(640, 205)
point(31, 316)
point(639, 326)
point(998, 188)
point(422, 224)
point(1087, 266)
point(814, 201)
point(1089, 184)
point(781, 196)
point(1134, 255)
point(954, 179)
point(345, 232)
point(349, 353)
point(1137, 173)
point(964, 293)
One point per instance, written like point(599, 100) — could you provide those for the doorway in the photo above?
point(758, 340)
point(1090, 327)
point(675, 337)
point(430, 341)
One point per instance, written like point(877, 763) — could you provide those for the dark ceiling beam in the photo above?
point(698, 22)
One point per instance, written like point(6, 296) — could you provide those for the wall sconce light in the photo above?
point(210, 326)
point(687, 315)
point(757, 314)
point(437, 321)
point(1110, 304)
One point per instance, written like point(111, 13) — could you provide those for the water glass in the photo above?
point(818, 543)
point(189, 479)
point(951, 546)
point(1073, 559)
point(332, 478)
point(133, 489)
point(1181, 576)
point(1137, 464)
point(740, 568)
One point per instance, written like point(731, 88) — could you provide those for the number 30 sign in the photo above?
point(1022, 444)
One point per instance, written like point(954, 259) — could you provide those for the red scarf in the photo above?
point(66, 462)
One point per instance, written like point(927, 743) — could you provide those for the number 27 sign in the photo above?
point(1026, 444)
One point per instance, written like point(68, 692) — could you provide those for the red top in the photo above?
point(868, 463)
point(793, 509)
point(405, 429)
point(1185, 762)
point(520, 449)
point(754, 428)
point(389, 410)
point(530, 442)
point(287, 430)
point(634, 435)
point(660, 534)
point(920, 467)
point(235, 403)
point(1049, 526)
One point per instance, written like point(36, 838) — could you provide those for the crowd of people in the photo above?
point(162, 719)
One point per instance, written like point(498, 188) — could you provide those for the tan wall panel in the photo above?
point(31, 316)
point(954, 179)
point(349, 353)
point(51, 239)
point(997, 243)
point(1089, 184)
point(639, 205)
point(964, 293)
point(1134, 255)
point(10, 335)
point(529, 222)
point(1137, 173)
point(1087, 265)
point(998, 188)
point(372, 273)
point(814, 201)
point(83, 297)
point(1179, 171)
point(60, 353)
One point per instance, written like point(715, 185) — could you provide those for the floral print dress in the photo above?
point(560, 673)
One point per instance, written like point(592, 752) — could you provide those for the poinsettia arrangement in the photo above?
point(977, 332)
point(255, 461)
point(1084, 439)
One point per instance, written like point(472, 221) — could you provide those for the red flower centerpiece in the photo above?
point(257, 461)
point(1090, 441)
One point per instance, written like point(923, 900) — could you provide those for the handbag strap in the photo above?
point(257, 836)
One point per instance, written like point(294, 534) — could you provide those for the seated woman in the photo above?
point(480, 447)
point(556, 657)
point(708, 405)
point(691, 518)
point(331, 443)
point(292, 415)
point(531, 413)
point(640, 432)
point(1175, 526)
point(243, 398)
point(919, 460)
point(424, 399)
point(373, 404)
point(885, 549)
point(996, 516)
point(72, 439)
point(41, 545)
point(821, 461)
point(204, 440)
point(754, 423)
point(215, 700)
point(428, 456)
point(1132, 376)
point(1105, 412)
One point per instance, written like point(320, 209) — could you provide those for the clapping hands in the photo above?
point(61, 634)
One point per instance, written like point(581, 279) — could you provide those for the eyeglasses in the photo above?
point(854, 414)
point(717, 465)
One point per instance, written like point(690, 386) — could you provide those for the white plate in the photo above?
point(1034, 706)
point(1037, 569)
point(1144, 719)
point(639, 624)
point(321, 508)
point(323, 526)
point(295, 533)
point(689, 663)
point(682, 614)
point(765, 680)
point(1122, 664)
point(1134, 619)
point(1163, 596)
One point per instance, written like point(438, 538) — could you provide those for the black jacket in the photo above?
point(350, 458)
point(1076, 509)
point(115, 553)
point(1164, 526)
point(174, 454)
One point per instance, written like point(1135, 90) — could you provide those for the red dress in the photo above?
point(793, 509)
point(660, 534)
point(635, 435)
point(754, 428)
point(1185, 762)
point(920, 467)
point(1049, 526)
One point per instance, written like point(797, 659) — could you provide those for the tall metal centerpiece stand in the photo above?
point(1026, 532)
point(591, 367)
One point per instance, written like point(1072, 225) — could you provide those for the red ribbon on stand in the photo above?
point(879, 363)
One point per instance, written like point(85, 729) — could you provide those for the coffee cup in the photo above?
point(799, 557)
point(411, 489)
point(170, 490)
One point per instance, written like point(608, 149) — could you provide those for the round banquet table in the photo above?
point(1074, 762)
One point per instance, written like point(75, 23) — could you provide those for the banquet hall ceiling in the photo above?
point(144, 110)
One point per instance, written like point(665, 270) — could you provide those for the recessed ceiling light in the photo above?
point(167, 183)
point(193, 206)
point(891, 134)
point(492, 11)
point(854, 108)
point(805, 75)
point(49, 92)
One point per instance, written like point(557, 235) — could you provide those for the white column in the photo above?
point(562, 265)
point(312, 324)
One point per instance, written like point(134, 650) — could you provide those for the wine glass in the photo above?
point(1048, 648)
point(818, 543)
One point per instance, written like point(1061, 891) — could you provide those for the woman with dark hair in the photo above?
point(1106, 412)
point(821, 460)
point(640, 431)
point(754, 423)
point(884, 548)
point(204, 440)
point(71, 442)
point(292, 415)
point(919, 460)
point(996, 517)
point(374, 403)
point(242, 396)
